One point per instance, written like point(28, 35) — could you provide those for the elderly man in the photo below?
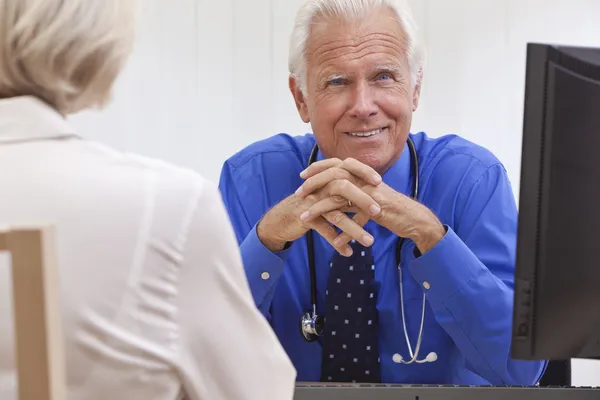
point(322, 241)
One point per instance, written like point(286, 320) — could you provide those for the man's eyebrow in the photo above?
point(380, 68)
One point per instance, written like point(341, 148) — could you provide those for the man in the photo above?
point(356, 72)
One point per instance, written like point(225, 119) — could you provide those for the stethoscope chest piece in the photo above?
point(311, 326)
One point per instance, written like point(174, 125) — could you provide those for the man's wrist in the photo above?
point(427, 235)
point(272, 244)
point(409, 219)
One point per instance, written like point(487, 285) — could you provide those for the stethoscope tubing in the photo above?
point(309, 235)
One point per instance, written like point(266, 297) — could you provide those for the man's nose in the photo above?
point(363, 102)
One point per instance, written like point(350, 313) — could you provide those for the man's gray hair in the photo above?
point(349, 9)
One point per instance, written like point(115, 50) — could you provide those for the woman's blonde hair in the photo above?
point(65, 52)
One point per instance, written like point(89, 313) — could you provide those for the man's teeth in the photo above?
point(365, 134)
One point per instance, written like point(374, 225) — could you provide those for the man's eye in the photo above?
point(336, 82)
point(384, 77)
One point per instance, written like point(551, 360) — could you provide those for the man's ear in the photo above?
point(299, 99)
point(417, 90)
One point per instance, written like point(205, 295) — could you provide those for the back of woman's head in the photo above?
point(65, 52)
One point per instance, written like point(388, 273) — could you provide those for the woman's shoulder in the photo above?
point(153, 172)
point(169, 194)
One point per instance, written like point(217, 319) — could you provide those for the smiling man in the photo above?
point(348, 299)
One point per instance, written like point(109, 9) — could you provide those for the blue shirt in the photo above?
point(468, 276)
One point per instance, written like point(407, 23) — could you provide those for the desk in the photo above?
point(317, 391)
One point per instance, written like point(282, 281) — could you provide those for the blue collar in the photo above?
point(399, 175)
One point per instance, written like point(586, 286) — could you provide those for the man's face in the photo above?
point(359, 97)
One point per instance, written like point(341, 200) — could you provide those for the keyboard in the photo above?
point(357, 391)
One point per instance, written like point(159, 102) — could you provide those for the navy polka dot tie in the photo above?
point(350, 351)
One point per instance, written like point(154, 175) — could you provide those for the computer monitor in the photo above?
point(557, 279)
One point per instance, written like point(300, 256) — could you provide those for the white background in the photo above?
point(209, 77)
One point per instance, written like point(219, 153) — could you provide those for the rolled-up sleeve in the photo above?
point(469, 281)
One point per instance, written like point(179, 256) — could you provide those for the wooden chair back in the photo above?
point(40, 359)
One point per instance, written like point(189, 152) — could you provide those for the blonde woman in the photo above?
point(155, 303)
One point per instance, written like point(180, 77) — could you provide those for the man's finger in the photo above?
point(345, 224)
point(323, 206)
point(355, 167)
point(362, 171)
point(329, 204)
point(343, 238)
point(319, 166)
point(356, 196)
point(323, 228)
point(321, 180)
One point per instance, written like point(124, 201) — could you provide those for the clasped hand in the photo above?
point(332, 189)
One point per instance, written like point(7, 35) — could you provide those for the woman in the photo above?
point(155, 303)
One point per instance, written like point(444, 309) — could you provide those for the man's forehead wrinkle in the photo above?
point(356, 56)
point(337, 48)
point(355, 42)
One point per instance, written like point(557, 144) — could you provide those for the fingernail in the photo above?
point(299, 191)
point(347, 253)
point(374, 209)
point(377, 179)
point(368, 240)
point(303, 174)
point(304, 215)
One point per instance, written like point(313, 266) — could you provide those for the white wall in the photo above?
point(209, 77)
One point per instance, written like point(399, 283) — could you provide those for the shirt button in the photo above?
point(265, 275)
point(426, 285)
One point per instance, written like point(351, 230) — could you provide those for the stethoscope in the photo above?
point(312, 324)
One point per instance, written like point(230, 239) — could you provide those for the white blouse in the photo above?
point(155, 303)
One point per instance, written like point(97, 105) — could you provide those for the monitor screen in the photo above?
point(557, 279)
